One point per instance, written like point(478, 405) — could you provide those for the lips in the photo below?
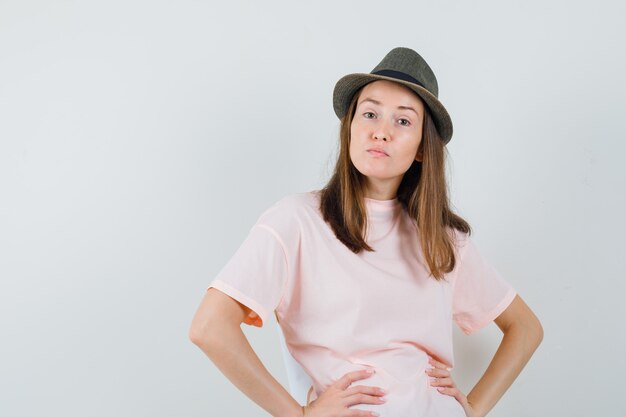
point(377, 151)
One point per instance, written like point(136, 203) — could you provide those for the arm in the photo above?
point(216, 329)
point(522, 335)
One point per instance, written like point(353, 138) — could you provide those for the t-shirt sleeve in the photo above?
point(258, 273)
point(480, 293)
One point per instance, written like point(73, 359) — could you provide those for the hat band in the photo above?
point(398, 75)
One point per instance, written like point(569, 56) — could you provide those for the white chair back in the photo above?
point(299, 380)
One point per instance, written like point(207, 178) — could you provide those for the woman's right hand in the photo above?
point(334, 402)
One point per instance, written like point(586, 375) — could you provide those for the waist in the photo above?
point(411, 396)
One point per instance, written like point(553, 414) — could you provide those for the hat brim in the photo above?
point(349, 84)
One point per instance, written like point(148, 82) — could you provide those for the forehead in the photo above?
point(389, 91)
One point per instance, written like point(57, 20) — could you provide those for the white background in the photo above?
point(140, 140)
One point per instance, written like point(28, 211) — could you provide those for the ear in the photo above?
point(419, 155)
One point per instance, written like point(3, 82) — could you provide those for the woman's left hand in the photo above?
point(441, 378)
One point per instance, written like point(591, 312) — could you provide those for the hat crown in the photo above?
point(406, 67)
point(409, 62)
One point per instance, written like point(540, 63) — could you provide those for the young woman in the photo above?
point(367, 275)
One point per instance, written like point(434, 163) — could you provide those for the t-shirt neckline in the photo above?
point(381, 205)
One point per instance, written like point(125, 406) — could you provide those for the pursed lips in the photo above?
point(377, 152)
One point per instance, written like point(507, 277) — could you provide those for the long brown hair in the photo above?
point(423, 193)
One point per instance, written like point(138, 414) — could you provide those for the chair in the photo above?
point(300, 383)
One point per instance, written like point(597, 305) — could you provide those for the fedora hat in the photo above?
point(404, 66)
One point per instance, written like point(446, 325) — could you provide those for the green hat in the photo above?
point(406, 67)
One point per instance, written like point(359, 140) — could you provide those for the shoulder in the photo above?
point(290, 210)
point(459, 238)
point(298, 201)
point(294, 204)
point(462, 245)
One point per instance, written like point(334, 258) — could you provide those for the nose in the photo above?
point(381, 131)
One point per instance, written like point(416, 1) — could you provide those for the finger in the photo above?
point(364, 389)
point(359, 398)
point(345, 381)
point(448, 391)
point(438, 364)
point(439, 373)
point(434, 361)
point(361, 413)
point(442, 382)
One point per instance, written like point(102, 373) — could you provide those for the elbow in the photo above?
point(210, 334)
point(533, 331)
point(214, 338)
point(529, 329)
point(538, 332)
point(201, 333)
point(195, 335)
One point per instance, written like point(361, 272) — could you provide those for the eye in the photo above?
point(368, 113)
point(405, 124)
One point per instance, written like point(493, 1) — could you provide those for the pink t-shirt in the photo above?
point(340, 311)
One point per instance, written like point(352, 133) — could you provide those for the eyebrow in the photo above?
point(379, 103)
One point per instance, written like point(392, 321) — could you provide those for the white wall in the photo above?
point(139, 141)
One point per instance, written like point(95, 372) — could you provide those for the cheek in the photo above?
point(354, 139)
point(410, 151)
point(354, 132)
point(354, 153)
point(413, 141)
